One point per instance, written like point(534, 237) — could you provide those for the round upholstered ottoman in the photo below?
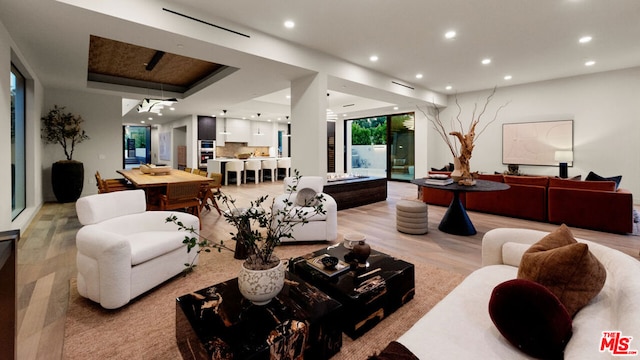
point(412, 217)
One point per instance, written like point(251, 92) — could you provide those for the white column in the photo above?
point(309, 125)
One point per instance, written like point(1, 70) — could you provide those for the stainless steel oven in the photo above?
point(207, 150)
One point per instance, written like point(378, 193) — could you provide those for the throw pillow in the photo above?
point(566, 267)
point(394, 351)
point(306, 197)
point(531, 318)
point(595, 177)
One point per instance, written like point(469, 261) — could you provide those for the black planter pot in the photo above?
point(67, 179)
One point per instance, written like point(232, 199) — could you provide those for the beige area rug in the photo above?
point(145, 328)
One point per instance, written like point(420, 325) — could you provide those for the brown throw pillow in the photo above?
point(565, 267)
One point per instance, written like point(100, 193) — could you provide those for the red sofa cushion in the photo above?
point(491, 177)
point(527, 180)
point(585, 185)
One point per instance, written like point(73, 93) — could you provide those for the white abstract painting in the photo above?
point(165, 146)
point(535, 143)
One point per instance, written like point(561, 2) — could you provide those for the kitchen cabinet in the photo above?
point(240, 130)
point(261, 133)
point(206, 128)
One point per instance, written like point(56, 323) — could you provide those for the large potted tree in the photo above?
point(67, 176)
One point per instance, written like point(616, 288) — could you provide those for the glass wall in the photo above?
point(137, 146)
point(18, 156)
point(381, 146)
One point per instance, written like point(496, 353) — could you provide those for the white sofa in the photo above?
point(321, 227)
point(459, 327)
point(124, 250)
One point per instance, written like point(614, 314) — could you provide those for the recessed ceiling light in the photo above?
point(450, 34)
point(585, 39)
point(508, 77)
point(418, 76)
point(486, 61)
point(159, 114)
point(589, 63)
point(373, 58)
point(395, 108)
point(288, 96)
point(289, 24)
point(172, 108)
point(449, 87)
point(142, 122)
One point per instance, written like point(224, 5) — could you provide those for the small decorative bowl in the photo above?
point(353, 238)
point(329, 262)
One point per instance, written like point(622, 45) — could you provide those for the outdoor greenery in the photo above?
point(371, 131)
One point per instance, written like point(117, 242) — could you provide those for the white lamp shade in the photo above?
point(564, 156)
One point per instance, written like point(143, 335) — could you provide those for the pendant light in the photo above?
point(225, 132)
point(258, 133)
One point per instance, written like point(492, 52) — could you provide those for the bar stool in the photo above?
point(236, 167)
point(252, 165)
point(284, 163)
point(270, 165)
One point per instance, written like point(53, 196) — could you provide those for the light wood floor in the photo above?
point(46, 258)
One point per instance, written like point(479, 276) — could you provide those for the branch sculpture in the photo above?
point(466, 140)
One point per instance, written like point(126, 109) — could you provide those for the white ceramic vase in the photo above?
point(260, 286)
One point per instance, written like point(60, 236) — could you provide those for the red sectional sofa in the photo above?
point(596, 205)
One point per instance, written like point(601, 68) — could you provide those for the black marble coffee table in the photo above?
point(218, 323)
point(368, 293)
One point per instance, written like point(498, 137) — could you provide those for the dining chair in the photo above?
point(271, 165)
point(111, 185)
point(211, 190)
point(234, 167)
point(182, 196)
point(188, 169)
point(252, 165)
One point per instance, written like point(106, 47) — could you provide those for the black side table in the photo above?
point(456, 220)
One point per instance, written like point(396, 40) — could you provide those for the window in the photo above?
point(18, 157)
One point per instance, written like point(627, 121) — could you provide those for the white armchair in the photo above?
point(321, 227)
point(124, 250)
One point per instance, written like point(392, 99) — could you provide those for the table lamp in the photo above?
point(563, 157)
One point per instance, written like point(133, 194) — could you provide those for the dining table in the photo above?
point(155, 184)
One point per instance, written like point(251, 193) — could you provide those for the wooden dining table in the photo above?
point(155, 185)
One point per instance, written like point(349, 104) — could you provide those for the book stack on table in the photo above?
point(438, 179)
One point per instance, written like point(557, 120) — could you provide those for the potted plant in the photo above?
point(67, 176)
point(259, 229)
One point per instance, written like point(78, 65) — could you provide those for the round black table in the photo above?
point(455, 220)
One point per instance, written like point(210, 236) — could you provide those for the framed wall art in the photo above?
point(535, 143)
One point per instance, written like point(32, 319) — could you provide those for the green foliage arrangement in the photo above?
point(59, 127)
point(259, 227)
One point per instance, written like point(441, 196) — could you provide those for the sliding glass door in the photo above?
point(381, 146)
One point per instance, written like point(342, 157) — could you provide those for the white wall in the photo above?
point(103, 152)
point(606, 116)
point(9, 53)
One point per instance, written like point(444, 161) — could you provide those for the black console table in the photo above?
point(455, 220)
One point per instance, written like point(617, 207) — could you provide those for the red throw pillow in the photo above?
point(531, 318)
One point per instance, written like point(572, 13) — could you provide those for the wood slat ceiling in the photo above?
point(120, 63)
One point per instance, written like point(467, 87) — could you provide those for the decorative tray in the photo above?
point(155, 170)
point(316, 263)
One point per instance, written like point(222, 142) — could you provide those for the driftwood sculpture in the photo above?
point(463, 174)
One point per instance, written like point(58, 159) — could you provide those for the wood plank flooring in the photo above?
point(46, 253)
